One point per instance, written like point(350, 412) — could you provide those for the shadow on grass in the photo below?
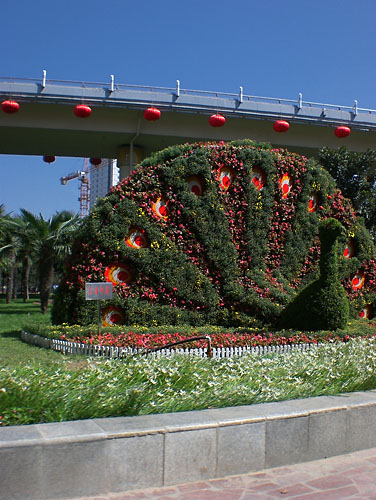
point(23, 311)
point(13, 334)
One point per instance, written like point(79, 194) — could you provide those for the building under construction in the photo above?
point(96, 179)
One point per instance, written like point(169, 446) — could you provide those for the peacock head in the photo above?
point(329, 230)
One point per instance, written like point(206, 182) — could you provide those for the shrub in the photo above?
point(322, 304)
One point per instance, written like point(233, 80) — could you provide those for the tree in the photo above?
point(7, 252)
point(51, 242)
point(355, 175)
point(2, 210)
point(24, 248)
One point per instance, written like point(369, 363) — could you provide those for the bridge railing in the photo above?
point(177, 91)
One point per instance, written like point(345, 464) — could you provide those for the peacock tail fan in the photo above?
point(218, 233)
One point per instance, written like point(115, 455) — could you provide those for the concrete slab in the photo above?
point(136, 462)
point(286, 441)
point(100, 456)
point(190, 454)
point(241, 448)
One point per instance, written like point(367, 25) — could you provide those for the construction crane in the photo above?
point(83, 176)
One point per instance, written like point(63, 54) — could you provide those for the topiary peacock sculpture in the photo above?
point(323, 304)
point(219, 233)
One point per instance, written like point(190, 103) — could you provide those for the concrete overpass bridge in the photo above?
point(46, 125)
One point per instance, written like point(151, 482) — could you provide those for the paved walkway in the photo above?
point(351, 476)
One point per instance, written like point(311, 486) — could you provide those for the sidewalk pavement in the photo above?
point(351, 476)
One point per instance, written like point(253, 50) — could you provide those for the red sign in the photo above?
point(98, 291)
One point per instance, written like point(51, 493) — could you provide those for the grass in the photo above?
point(139, 385)
point(13, 351)
point(37, 385)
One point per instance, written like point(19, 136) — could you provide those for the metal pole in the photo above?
point(99, 317)
point(241, 94)
point(44, 78)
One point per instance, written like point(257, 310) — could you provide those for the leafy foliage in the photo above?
point(51, 239)
point(228, 254)
point(355, 175)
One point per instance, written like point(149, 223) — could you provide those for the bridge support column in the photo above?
point(127, 159)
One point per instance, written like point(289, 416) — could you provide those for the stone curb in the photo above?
point(110, 455)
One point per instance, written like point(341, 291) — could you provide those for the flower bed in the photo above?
point(149, 338)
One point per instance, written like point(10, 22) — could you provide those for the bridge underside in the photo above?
point(54, 130)
point(46, 125)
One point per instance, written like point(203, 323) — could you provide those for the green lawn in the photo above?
point(12, 350)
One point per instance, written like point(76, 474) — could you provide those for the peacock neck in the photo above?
point(328, 262)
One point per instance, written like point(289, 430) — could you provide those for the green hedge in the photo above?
point(323, 304)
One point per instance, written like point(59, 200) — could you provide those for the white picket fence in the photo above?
point(110, 352)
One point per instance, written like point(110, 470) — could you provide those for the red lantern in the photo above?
point(10, 107)
point(152, 114)
point(281, 126)
point(342, 131)
point(49, 159)
point(95, 161)
point(82, 111)
point(217, 120)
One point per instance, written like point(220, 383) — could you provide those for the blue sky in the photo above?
point(324, 49)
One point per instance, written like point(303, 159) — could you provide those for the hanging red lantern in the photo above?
point(10, 107)
point(152, 114)
point(95, 161)
point(49, 159)
point(82, 111)
point(281, 126)
point(217, 120)
point(342, 131)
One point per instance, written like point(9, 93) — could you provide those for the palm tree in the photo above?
point(7, 251)
point(23, 245)
point(51, 241)
point(2, 210)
